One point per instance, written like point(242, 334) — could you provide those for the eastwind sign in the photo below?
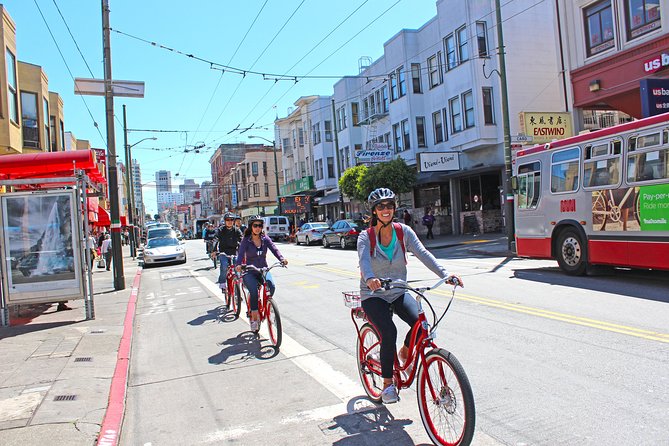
point(438, 161)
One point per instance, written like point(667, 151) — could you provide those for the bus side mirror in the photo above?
point(514, 183)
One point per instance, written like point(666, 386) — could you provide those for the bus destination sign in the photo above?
point(296, 204)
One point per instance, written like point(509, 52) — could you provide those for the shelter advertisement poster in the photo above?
point(644, 208)
point(41, 255)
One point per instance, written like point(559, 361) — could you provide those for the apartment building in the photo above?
point(434, 98)
point(226, 157)
point(11, 138)
point(617, 57)
point(34, 99)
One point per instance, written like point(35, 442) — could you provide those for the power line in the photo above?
point(95, 124)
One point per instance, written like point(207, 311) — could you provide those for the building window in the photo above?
point(377, 101)
point(47, 135)
point(11, 86)
point(300, 137)
point(397, 137)
point(267, 189)
point(256, 190)
point(420, 131)
point(394, 94)
point(488, 110)
point(456, 114)
point(643, 16)
point(598, 27)
point(316, 133)
point(415, 78)
point(482, 38)
point(54, 133)
point(328, 131)
point(449, 48)
point(406, 135)
point(264, 168)
point(355, 117)
point(438, 127)
point(444, 115)
point(463, 49)
point(62, 135)
point(29, 120)
point(468, 103)
point(331, 172)
point(254, 168)
point(341, 118)
point(436, 76)
point(402, 76)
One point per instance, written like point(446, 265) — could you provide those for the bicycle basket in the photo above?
point(352, 299)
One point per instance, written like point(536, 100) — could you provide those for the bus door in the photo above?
point(532, 235)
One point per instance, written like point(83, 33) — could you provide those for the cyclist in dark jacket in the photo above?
point(227, 241)
point(209, 234)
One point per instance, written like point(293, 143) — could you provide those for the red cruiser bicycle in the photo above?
point(445, 398)
point(233, 290)
point(268, 309)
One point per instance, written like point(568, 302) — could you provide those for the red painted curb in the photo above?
point(111, 423)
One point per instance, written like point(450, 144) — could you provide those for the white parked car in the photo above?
point(164, 250)
point(311, 233)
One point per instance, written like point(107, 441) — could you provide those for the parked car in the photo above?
point(163, 250)
point(277, 228)
point(160, 232)
point(311, 232)
point(344, 233)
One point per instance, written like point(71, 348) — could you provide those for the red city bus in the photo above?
point(600, 198)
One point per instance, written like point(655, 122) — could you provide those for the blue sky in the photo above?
point(187, 95)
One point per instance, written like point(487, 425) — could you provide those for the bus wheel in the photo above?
point(571, 253)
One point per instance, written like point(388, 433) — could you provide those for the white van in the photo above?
point(277, 227)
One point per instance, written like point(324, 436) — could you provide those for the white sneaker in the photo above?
point(255, 326)
point(390, 395)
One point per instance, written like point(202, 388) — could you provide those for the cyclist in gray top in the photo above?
point(384, 257)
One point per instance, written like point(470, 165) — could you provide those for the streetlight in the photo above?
point(131, 190)
point(276, 171)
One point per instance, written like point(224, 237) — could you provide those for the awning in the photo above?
point(328, 199)
point(50, 165)
point(103, 217)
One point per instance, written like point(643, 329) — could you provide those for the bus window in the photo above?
point(529, 185)
point(564, 170)
point(648, 166)
point(604, 169)
point(644, 141)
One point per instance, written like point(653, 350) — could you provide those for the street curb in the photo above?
point(111, 423)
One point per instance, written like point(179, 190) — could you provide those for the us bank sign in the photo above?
point(438, 161)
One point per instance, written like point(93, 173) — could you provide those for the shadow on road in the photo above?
point(215, 314)
point(373, 426)
point(649, 285)
point(243, 347)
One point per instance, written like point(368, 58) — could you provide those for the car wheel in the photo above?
point(343, 243)
point(306, 241)
point(297, 240)
point(325, 243)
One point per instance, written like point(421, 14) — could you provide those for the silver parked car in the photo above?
point(163, 250)
point(311, 233)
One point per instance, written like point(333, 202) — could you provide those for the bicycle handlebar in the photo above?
point(263, 269)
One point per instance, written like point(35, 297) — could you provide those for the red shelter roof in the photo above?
point(50, 165)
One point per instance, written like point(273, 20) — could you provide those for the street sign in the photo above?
point(521, 138)
point(96, 87)
point(296, 204)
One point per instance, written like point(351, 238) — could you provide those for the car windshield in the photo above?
point(319, 226)
point(162, 241)
point(162, 232)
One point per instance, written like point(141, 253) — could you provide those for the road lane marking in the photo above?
point(563, 317)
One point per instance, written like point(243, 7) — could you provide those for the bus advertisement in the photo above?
point(599, 198)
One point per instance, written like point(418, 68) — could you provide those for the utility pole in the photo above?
point(112, 175)
point(508, 173)
point(336, 145)
point(129, 188)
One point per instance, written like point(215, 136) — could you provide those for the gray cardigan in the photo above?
point(381, 267)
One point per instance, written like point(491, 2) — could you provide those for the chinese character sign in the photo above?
point(545, 127)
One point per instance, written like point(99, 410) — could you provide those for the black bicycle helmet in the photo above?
point(238, 217)
point(228, 216)
point(379, 195)
point(255, 218)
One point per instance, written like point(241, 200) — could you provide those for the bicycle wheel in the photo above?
point(228, 297)
point(237, 300)
point(599, 211)
point(368, 357)
point(273, 323)
point(445, 399)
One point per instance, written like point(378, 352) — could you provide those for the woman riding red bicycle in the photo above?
point(382, 254)
point(253, 251)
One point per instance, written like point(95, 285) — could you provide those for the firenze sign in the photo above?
point(376, 153)
point(439, 161)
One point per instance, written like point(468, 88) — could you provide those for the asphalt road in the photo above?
point(553, 359)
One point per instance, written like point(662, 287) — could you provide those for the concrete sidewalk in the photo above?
point(490, 244)
point(57, 367)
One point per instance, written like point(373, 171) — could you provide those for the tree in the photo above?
point(349, 183)
point(394, 175)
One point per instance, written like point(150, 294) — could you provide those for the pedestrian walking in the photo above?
point(91, 244)
point(407, 217)
point(428, 222)
point(106, 250)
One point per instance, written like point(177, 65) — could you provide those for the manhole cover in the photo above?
point(65, 397)
point(83, 359)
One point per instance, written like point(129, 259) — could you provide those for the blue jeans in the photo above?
point(251, 280)
point(379, 313)
point(223, 272)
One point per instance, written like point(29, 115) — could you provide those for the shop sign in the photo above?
point(654, 97)
point(439, 161)
point(376, 153)
point(656, 64)
point(295, 186)
point(545, 127)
